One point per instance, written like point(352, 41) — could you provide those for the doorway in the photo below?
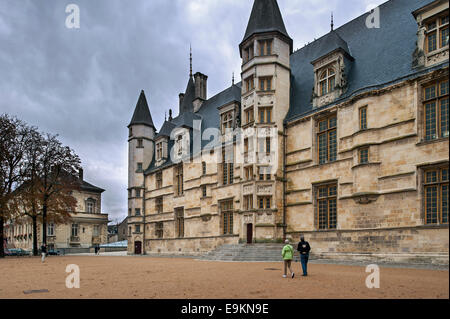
point(137, 248)
point(249, 233)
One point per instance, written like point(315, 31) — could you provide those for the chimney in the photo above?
point(181, 96)
point(200, 85)
point(80, 174)
point(170, 115)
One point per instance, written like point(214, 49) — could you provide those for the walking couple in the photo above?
point(288, 255)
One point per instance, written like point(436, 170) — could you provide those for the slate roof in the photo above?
point(208, 114)
point(142, 113)
point(265, 17)
point(381, 55)
point(189, 97)
point(90, 188)
point(330, 43)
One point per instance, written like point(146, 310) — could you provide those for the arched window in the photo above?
point(327, 81)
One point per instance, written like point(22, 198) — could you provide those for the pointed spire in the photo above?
point(232, 80)
point(266, 17)
point(332, 21)
point(142, 114)
point(190, 59)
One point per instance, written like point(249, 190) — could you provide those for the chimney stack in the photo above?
point(181, 96)
point(200, 85)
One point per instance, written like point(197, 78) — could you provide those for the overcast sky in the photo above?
point(83, 84)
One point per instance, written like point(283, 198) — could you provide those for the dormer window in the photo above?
point(227, 121)
point(159, 151)
point(327, 81)
point(437, 33)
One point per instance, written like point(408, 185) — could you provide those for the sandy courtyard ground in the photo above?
point(161, 278)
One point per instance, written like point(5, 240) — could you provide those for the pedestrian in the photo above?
point(98, 249)
point(304, 249)
point(288, 255)
point(43, 252)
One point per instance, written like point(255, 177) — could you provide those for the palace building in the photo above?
point(351, 148)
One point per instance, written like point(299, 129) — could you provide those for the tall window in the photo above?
point(364, 155)
point(264, 202)
point(363, 118)
point(327, 140)
point(436, 195)
point(138, 193)
point(436, 110)
point(74, 230)
point(139, 168)
point(248, 53)
point(51, 229)
point(159, 205)
point(137, 211)
point(227, 168)
point(179, 222)
point(159, 230)
point(265, 115)
point(179, 144)
point(327, 206)
point(248, 173)
point(159, 180)
point(250, 83)
point(203, 168)
point(227, 217)
point(179, 179)
point(96, 231)
point(265, 47)
point(159, 151)
point(90, 206)
point(204, 191)
point(227, 121)
point(265, 84)
point(140, 143)
point(248, 202)
point(249, 115)
point(327, 81)
point(137, 229)
point(437, 33)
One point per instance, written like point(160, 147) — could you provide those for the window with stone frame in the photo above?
point(138, 193)
point(159, 230)
point(227, 166)
point(248, 53)
point(159, 180)
point(226, 208)
point(248, 202)
point(327, 81)
point(179, 190)
point(249, 83)
point(179, 222)
point(227, 120)
point(140, 143)
point(265, 83)
point(203, 168)
point(159, 205)
point(90, 206)
point(137, 229)
point(265, 47)
point(137, 212)
point(75, 228)
point(96, 231)
point(51, 229)
point(159, 151)
point(179, 144)
point(249, 115)
point(264, 173)
point(363, 155)
point(139, 168)
point(363, 118)
point(436, 33)
point(326, 199)
point(435, 103)
point(248, 173)
point(327, 140)
point(436, 195)
point(264, 202)
point(265, 115)
point(204, 191)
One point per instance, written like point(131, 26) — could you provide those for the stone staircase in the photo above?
point(245, 252)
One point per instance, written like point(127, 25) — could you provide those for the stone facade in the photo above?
point(375, 179)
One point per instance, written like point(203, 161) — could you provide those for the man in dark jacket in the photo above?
point(304, 249)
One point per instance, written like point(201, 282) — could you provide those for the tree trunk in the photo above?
point(44, 222)
point(35, 243)
point(2, 250)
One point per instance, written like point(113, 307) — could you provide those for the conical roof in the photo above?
point(142, 113)
point(265, 17)
point(189, 97)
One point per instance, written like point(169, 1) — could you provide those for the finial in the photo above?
point(190, 48)
point(232, 80)
point(170, 115)
point(332, 21)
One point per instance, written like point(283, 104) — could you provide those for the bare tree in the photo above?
point(14, 136)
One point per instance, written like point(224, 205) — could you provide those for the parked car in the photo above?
point(18, 252)
point(53, 252)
